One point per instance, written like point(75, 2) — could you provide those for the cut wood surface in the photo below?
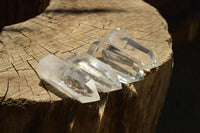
point(64, 28)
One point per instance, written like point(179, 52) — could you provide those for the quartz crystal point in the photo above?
point(124, 64)
point(144, 57)
point(104, 76)
point(67, 79)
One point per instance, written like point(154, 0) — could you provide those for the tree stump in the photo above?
point(64, 28)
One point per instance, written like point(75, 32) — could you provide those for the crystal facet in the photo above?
point(67, 79)
point(125, 66)
point(104, 76)
point(144, 57)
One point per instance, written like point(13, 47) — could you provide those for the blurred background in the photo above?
point(181, 111)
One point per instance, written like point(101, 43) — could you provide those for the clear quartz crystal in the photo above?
point(104, 76)
point(144, 57)
point(67, 79)
point(125, 66)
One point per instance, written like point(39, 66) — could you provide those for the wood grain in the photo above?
point(66, 27)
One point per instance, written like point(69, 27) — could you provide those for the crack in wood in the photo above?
point(73, 49)
point(29, 86)
point(47, 20)
point(45, 49)
point(2, 43)
point(64, 44)
point(24, 49)
point(147, 40)
point(15, 69)
point(101, 28)
point(40, 79)
point(75, 28)
point(20, 58)
point(30, 41)
point(42, 25)
point(7, 88)
point(20, 32)
point(49, 17)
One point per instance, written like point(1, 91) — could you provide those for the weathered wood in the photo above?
point(65, 28)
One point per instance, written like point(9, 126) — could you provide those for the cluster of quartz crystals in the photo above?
point(125, 56)
point(67, 79)
point(104, 76)
point(109, 62)
point(143, 57)
point(127, 70)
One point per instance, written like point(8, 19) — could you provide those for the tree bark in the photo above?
point(64, 28)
